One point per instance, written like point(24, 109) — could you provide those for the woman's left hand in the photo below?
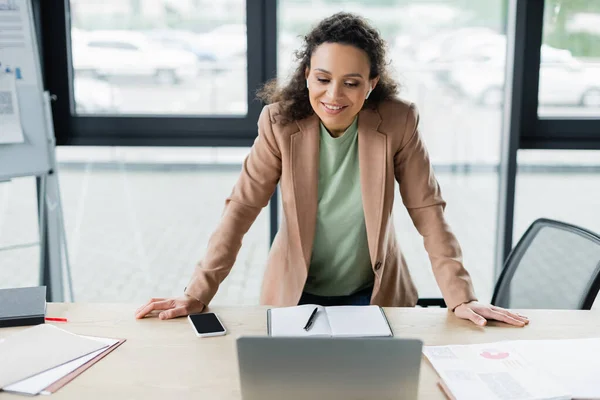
point(479, 314)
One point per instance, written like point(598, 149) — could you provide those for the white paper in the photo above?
point(493, 371)
point(290, 321)
point(16, 53)
point(337, 321)
point(11, 130)
point(575, 363)
point(357, 321)
point(31, 351)
point(39, 382)
point(572, 364)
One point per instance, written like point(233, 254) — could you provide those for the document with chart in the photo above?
point(493, 371)
point(519, 369)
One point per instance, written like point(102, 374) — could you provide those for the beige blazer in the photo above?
point(389, 147)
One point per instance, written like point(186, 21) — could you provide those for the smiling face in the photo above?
point(338, 81)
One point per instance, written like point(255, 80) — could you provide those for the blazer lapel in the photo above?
point(305, 177)
point(372, 163)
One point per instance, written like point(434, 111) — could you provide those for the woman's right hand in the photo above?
point(170, 308)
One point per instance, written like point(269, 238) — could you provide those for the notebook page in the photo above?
point(357, 321)
point(290, 321)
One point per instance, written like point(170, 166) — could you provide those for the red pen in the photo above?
point(56, 319)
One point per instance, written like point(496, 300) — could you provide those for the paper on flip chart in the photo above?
point(11, 130)
point(17, 54)
point(36, 384)
point(494, 371)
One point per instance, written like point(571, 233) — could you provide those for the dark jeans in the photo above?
point(360, 298)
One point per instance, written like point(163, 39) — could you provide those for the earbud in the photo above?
point(307, 83)
point(369, 92)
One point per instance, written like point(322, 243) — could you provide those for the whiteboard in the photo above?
point(19, 55)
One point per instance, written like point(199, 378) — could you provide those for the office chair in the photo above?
point(554, 265)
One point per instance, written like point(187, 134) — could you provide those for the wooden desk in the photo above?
point(165, 360)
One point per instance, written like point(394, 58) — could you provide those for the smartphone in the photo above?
point(207, 324)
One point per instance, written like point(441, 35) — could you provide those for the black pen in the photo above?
point(311, 319)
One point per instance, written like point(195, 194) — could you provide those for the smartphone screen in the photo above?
point(206, 323)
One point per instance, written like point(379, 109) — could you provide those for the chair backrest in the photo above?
point(555, 265)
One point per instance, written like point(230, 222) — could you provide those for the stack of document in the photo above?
point(520, 369)
point(43, 358)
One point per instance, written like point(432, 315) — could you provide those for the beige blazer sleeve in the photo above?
point(422, 197)
point(260, 174)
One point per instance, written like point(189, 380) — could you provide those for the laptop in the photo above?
point(328, 368)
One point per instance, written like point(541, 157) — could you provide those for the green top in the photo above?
point(340, 263)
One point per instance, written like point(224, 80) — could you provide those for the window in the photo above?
point(19, 233)
point(569, 84)
point(138, 219)
point(557, 184)
point(449, 58)
point(159, 58)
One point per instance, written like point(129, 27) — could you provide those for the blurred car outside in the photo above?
point(564, 80)
point(186, 41)
point(103, 54)
point(228, 43)
point(442, 52)
point(219, 50)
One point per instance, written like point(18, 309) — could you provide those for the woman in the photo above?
point(335, 138)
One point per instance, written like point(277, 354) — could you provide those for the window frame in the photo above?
point(523, 127)
point(149, 130)
point(556, 133)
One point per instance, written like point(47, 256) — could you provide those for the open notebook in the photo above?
point(358, 321)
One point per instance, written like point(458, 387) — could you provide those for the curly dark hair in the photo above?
point(343, 28)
